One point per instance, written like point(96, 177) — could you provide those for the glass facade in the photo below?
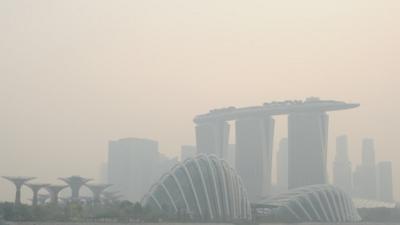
point(315, 203)
point(205, 188)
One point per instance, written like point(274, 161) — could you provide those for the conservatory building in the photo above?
point(315, 203)
point(203, 188)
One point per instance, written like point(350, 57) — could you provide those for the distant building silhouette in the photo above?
point(342, 171)
point(308, 136)
point(212, 138)
point(132, 166)
point(103, 173)
point(385, 182)
point(365, 183)
point(307, 148)
point(368, 152)
point(254, 138)
point(282, 165)
point(230, 156)
point(188, 151)
point(164, 164)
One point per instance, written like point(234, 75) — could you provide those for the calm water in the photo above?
point(52, 223)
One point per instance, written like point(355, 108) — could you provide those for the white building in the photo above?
point(132, 166)
point(188, 151)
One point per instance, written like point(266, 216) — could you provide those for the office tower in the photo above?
point(188, 151)
point(282, 165)
point(307, 140)
point(308, 137)
point(230, 156)
point(342, 172)
point(368, 152)
point(385, 182)
point(212, 138)
point(132, 166)
point(254, 138)
point(103, 172)
point(365, 183)
point(164, 164)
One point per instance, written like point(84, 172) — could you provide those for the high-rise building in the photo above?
point(212, 138)
point(385, 182)
point(368, 152)
point(342, 172)
point(254, 138)
point(164, 164)
point(188, 151)
point(365, 183)
point(282, 165)
point(103, 172)
point(308, 137)
point(132, 166)
point(230, 156)
point(254, 132)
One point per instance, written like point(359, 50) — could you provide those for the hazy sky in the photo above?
point(76, 73)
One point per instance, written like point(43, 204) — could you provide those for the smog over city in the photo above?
point(241, 112)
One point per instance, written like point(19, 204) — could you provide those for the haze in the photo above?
point(76, 74)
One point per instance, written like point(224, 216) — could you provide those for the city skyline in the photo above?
point(75, 75)
point(344, 175)
point(367, 157)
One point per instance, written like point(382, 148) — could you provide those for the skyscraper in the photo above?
point(385, 182)
point(103, 172)
point(212, 138)
point(188, 151)
point(308, 137)
point(230, 156)
point(254, 138)
point(282, 165)
point(368, 152)
point(365, 174)
point(342, 172)
point(132, 166)
point(254, 132)
point(164, 164)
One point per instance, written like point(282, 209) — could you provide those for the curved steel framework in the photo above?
point(205, 188)
point(316, 203)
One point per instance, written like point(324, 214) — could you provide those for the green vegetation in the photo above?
point(124, 211)
point(380, 215)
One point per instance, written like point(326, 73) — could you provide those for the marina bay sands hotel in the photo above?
point(254, 126)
